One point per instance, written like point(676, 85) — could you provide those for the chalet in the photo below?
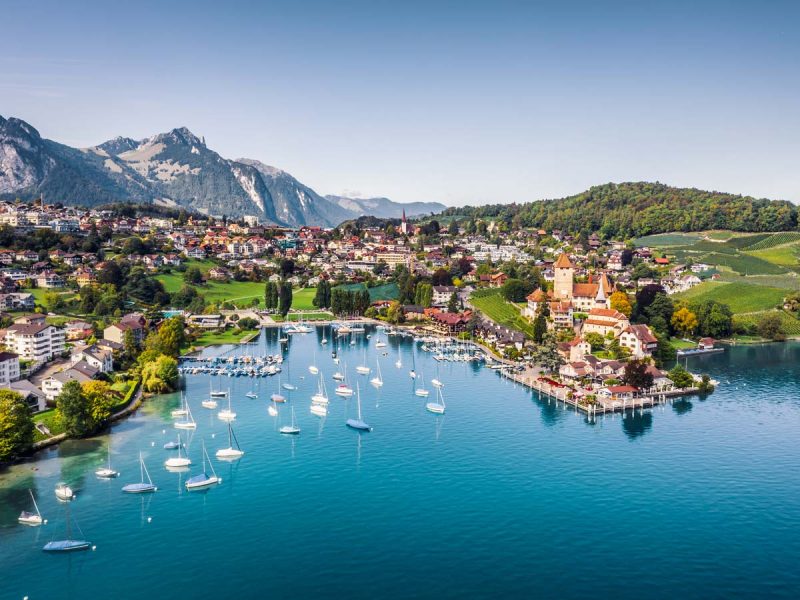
point(639, 340)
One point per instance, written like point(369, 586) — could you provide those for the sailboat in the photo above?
point(358, 423)
point(251, 394)
point(67, 544)
point(226, 414)
point(182, 411)
point(413, 372)
point(277, 396)
point(143, 486)
point(29, 518)
point(363, 369)
point(107, 472)
point(217, 393)
point(399, 363)
point(312, 368)
point(187, 423)
point(436, 407)
point(173, 444)
point(209, 403)
point(421, 391)
point(292, 429)
point(380, 343)
point(203, 480)
point(377, 381)
point(435, 382)
point(343, 390)
point(178, 461)
point(64, 492)
point(230, 453)
point(319, 401)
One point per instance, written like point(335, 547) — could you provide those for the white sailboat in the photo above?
point(226, 414)
point(210, 402)
point(230, 453)
point(421, 390)
point(251, 394)
point(64, 492)
point(436, 407)
point(321, 397)
point(272, 411)
point(277, 396)
point(377, 381)
point(203, 480)
point(187, 423)
point(143, 486)
point(312, 368)
point(363, 369)
point(343, 390)
point(436, 382)
point(182, 411)
point(29, 518)
point(292, 429)
point(399, 363)
point(359, 422)
point(178, 462)
point(107, 472)
point(380, 343)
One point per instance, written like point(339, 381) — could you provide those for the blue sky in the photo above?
point(460, 102)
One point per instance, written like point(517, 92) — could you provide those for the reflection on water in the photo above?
point(635, 423)
point(682, 406)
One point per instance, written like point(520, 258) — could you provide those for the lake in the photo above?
point(504, 495)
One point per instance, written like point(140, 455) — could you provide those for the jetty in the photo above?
point(580, 401)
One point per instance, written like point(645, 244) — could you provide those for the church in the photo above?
point(581, 297)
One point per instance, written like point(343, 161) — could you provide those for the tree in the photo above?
point(595, 340)
point(73, 410)
point(680, 377)
point(619, 301)
point(99, 400)
point(53, 301)
point(423, 296)
point(441, 277)
point(637, 375)
point(193, 275)
point(684, 321)
point(394, 314)
point(171, 336)
point(271, 295)
point(771, 327)
point(160, 375)
point(16, 425)
point(539, 326)
point(715, 319)
point(287, 267)
point(546, 354)
point(452, 303)
point(659, 313)
point(645, 297)
point(322, 297)
point(515, 290)
point(285, 298)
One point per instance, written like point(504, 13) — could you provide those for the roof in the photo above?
point(607, 313)
point(587, 290)
point(621, 389)
point(564, 262)
point(28, 328)
point(643, 333)
point(4, 356)
point(537, 295)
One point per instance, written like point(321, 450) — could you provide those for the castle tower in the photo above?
point(564, 278)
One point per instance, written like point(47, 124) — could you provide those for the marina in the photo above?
point(501, 478)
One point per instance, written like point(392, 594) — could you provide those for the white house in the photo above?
point(9, 368)
point(35, 341)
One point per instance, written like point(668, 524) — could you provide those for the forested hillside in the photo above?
point(637, 209)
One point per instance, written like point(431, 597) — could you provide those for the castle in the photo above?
point(579, 297)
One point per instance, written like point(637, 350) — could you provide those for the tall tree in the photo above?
point(636, 374)
point(285, 298)
point(16, 425)
point(73, 410)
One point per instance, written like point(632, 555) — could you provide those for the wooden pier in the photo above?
point(599, 406)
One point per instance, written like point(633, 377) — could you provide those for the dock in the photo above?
point(599, 406)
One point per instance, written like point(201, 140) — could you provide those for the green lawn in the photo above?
point(667, 239)
point(306, 316)
point(49, 420)
point(681, 344)
point(494, 306)
point(302, 299)
point(240, 293)
point(741, 297)
point(388, 291)
point(229, 336)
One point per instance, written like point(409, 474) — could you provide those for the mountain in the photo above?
point(633, 209)
point(385, 208)
point(174, 168)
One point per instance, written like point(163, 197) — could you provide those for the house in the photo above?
point(9, 368)
point(414, 312)
point(706, 343)
point(498, 279)
point(33, 396)
point(16, 301)
point(617, 392)
point(77, 330)
point(575, 350)
point(100, 358)
point(53, 384)
point(206, 321)
point(133, 322)
point(450, 323)
point(441, 294)
point(639, 340)
point(38, 342)
point(605, 321)
point(49, 279)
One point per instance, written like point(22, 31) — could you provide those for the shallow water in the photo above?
point(506, 494)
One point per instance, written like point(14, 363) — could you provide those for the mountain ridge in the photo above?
point(174, 168)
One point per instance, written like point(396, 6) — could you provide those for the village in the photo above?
point(75, 282)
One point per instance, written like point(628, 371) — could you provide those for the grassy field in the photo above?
point(388, 291)
point(790, 281)
point(667, 239)
point(229, 336)
point(494, 306)
point(302, 299)
point(237, 292)
point(49, 420)
point(785, 256)
point(306, 316)
point(741, 297)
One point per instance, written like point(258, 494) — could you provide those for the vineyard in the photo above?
point(776, 239)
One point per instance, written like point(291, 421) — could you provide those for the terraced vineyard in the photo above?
point(776, 239)
point(494, 306)
point(791, 325)
point(741, 297)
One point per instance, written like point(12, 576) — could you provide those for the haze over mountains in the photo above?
point(174, 168)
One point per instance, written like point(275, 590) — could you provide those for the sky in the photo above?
point(457, 102)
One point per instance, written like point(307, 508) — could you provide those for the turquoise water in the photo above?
point(503, 495)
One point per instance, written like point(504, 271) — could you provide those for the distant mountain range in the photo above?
point(174, 168)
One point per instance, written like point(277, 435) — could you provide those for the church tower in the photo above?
point(564, 278)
